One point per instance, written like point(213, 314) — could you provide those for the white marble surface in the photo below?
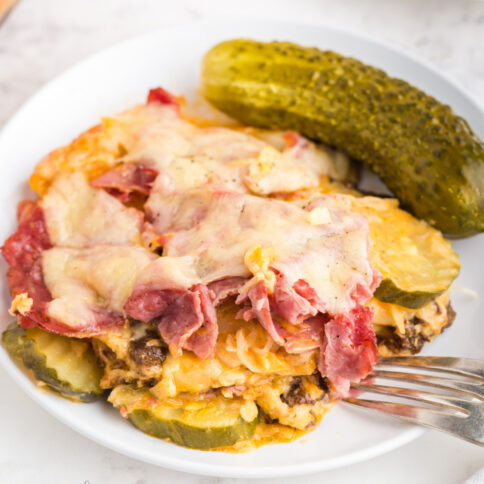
point(42, 38)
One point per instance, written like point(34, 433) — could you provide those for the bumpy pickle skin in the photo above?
point(428, 156)
point(66, 365)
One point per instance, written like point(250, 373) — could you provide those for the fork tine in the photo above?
point(447, 402)
point(466, 429)
point(473, 389)
point(462, 366)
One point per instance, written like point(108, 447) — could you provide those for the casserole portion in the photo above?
point(224, 281)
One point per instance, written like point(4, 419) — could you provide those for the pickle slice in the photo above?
point(416, 262)
point(204, 424)
point(66, 365)
point(427, 156)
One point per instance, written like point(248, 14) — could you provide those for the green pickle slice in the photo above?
point(416, 262)
point(427, 156)
point(207, 424)
point(66, 365)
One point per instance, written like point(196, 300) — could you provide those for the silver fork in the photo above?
point(451, 400)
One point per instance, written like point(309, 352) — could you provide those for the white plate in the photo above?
point(121, 76)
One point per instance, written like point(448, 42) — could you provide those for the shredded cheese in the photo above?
point(21, 304)
point(249, 411)
point(319, 216)
point(258, 259)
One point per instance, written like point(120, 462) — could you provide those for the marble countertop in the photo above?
point(40, 39)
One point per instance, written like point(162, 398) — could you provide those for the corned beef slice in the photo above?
point(185, 318)
point(127, 179)
point(21, 251)
point(162, 96)
point(349, 350)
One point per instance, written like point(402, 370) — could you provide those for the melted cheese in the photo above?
point(190, 156)
point(82, 279)
point(432, 316)
point(211, 235)
point(291, 169)
point(78, 215)
point(312, 157)
point(237, 361)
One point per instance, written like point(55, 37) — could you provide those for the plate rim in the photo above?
point(184, 465)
